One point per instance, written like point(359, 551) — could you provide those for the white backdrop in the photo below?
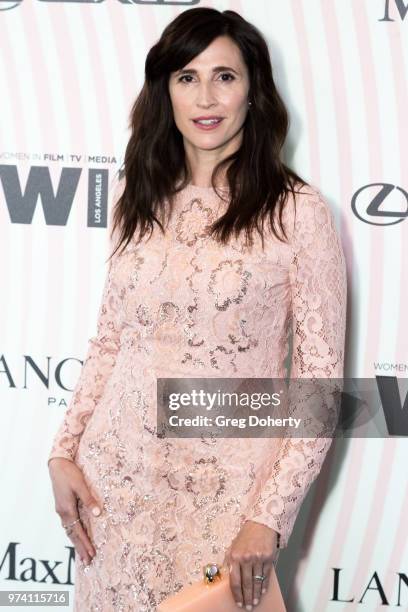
point(69, 72)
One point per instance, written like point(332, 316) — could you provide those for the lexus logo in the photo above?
point(370, 205)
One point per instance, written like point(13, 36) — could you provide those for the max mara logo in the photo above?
point(15, 566)
point(395, 8)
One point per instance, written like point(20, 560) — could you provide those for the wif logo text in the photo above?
point(395, 412)
point(21, 203)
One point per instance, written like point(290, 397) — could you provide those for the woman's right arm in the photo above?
point(67, 479)
point(68, 482)
point(97, 367)
point(99, 360)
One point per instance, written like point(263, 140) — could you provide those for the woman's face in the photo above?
point(215, 83)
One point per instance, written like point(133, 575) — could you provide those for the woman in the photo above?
point(212, 290)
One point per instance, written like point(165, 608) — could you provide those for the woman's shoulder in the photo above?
point(305, 195)
point(306, 208)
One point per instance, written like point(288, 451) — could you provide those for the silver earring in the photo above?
point(249, 103)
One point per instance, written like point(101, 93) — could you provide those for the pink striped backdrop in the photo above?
point(69, 72)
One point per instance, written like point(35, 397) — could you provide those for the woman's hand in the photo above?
point(68, 485)
point(252, 551)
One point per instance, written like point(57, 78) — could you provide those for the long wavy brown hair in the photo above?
point(154, 164)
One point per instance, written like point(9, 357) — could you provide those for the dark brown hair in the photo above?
point(154, 161)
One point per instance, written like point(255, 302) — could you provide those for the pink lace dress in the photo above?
point(181, 305)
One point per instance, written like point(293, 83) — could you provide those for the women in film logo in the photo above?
point(22, 201)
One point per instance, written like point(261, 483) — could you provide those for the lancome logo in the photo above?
point(41, 373)
point(5, 5)
point(378, 595)
point(22, 202)
point(371, 207)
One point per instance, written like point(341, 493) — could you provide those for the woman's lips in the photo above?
point(211, 126)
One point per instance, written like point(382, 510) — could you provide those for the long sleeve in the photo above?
point(318, 310)
point(97, 367)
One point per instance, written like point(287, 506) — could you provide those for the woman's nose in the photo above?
point(205, 94)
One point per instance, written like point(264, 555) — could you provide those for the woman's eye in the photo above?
point(184, 77)
point(188, 76)
point(228, 74)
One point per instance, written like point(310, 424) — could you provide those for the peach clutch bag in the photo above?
point(214, 595)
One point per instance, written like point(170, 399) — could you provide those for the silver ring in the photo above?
point(260, 578)
point(71, 524)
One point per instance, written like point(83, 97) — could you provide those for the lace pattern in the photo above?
point(181, 305)
point(319, 292)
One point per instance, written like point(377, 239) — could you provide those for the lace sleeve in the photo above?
point(319, 290)
point(98, 364)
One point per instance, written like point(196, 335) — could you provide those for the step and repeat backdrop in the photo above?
point(69, 73)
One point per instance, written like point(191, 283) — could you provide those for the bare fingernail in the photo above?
point(239, 604)
point(248, 607)
point(264, 590)
point(96, 511)
point(255, 601)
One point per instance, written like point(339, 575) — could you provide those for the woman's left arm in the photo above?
point(319, 293)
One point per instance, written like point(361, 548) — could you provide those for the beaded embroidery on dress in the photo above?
point(181, 305)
